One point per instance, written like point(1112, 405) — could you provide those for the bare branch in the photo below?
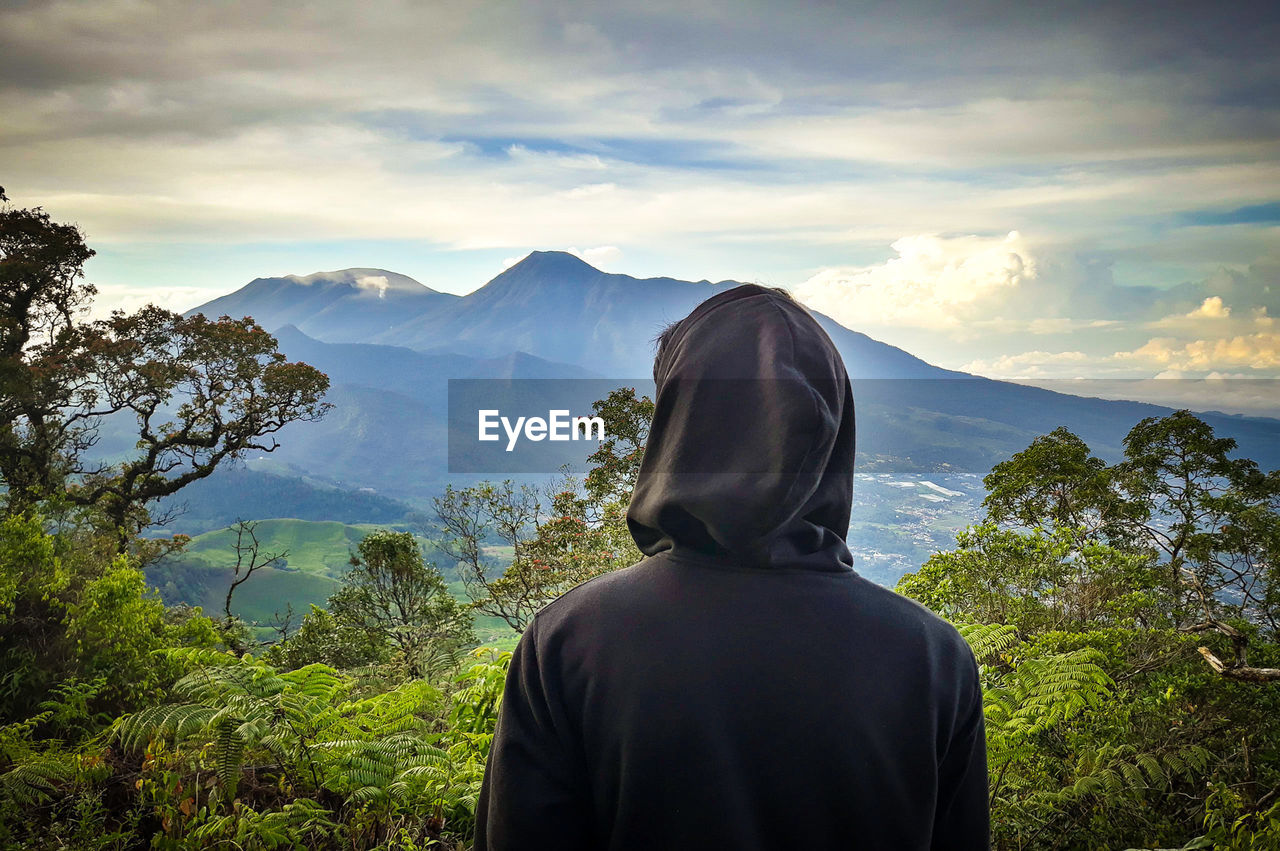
point(1240, 672)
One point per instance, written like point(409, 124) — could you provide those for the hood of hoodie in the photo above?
point(750, 452)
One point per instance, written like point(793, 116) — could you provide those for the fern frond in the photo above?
point(228, 754)
point(989, 640)
point(37, 779)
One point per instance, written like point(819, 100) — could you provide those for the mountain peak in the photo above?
point(541, 273)
point(376, 281)
point(558, 263)
point(340, 306)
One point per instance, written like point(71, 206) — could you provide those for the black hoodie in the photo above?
point(741, 687)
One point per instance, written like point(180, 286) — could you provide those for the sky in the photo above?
point(1021, 190)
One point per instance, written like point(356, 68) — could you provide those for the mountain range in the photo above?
point(390, 344)
point(551, 305)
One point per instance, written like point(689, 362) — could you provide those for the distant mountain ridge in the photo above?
point(552, 304)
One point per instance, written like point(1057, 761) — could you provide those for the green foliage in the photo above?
point(396, 598)
point(35, 776)
point(1088, 595)
point(392, 612)
point(1074, 751)
point(114, 628)
point(297, 824)
point(44, 773)
point(1090, 586)
point(454, 780)
point(26, 557)
point(323, 639)
point(1234, 823)
point(1211, 520)
point(1056, 480)
point(615, 465)
point(475, 518)
point(81, 616)
point(1025, 695)
point(1038, 580)
point(41, 264)
point(294, 757)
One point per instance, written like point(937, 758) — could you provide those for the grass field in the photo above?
point(319, 554)
point(320, 547)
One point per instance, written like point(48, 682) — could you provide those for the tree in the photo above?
point(615, 465)
point(1040, 580)
point(395, 597)
point(69, 616)
point(1055, 480)
point(476, 520)
point(1212, 521)
point(41, 294)
point(200, 391)
point(1216, 521)
point(249, 560)
point(322, 639)
point(554, 539)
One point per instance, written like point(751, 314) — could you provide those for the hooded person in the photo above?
point(741, 687)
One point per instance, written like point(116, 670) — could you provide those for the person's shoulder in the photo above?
point(911, 615)
point(590, 596)
point(922, 639)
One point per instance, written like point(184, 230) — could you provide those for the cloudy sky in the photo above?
point(1091, 189)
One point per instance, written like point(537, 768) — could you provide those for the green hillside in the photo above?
point(322, 546)
point(319, 554)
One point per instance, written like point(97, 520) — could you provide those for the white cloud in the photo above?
point(589, 189)
point(602, 257)
point(1255, 355)
point(1212, 317)
point(1258, 351)
point(377, 283)
point(1211, 308)
point(1027, 364)
point(1039, 326)
point(554, 159)
point(232, 122)
point(934, 281)
point(1229, 392)
point(719, 140)
point(129, 298)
